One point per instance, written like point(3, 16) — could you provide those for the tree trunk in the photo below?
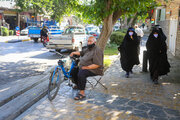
point(125, 22)
point(132, 20)
point(18, 19)
point(106, 32)
point(108, 24)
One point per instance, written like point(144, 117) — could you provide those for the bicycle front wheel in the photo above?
point(54, 84)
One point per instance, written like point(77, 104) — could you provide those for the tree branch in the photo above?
point(116, 15)
point(132, 19)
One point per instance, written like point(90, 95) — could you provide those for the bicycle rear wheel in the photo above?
point(54, 84)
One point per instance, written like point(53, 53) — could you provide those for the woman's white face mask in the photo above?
point(130, 33)
point(155, 35)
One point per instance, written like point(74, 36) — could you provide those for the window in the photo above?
point(161, 14)
point(158, 14)
point(74, 30)
point(67, 31)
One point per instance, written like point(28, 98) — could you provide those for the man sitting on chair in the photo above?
point(91, 64)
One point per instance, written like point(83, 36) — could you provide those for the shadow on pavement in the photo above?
point(11, 71)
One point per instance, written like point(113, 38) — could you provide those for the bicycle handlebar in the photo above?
point(62, 56)
point(74, 57)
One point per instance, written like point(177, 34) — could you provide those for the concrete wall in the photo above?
point(177, 53)
point(165, 28)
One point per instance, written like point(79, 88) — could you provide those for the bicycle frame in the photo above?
point(57, 67)
point(66, 73)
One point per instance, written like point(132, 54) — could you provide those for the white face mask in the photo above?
point(155, 35)
point(130, 33)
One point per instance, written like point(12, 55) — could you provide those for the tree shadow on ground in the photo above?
point(11, 71)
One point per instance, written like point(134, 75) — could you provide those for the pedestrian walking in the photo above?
point(140, 34)
point(129, 51)
point(161, 31)
point(143, 25)
point(157, 55)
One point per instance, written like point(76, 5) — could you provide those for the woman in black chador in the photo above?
point(156, 49)
point(129, 51)
point(161, 31)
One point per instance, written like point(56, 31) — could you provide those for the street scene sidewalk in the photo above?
point(134, 98)
point(27, 64)
point(13, 39)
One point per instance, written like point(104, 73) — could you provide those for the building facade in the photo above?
point(10, 18)
point(168, 17)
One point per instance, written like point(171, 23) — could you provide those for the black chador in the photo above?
point(157, 55)
point(129, 51)
point(161, 32)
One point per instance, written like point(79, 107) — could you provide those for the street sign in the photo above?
point(17, 28)
point(17, 32)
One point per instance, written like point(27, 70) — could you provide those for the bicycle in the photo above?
point(56, 76)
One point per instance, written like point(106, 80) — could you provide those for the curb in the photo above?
point(45, 73)
point(31, 94)
point(14, 41)
point(24, 101)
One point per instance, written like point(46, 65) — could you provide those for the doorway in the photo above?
point(172, 36)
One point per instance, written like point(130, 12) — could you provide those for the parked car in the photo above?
point(74, 38)
point(25, 31)
point(93, 30)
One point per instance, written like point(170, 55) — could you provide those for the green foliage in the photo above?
point(117, 37)
point(11, 32)
point(37, 6)
point(63, 7)
point(4, 31)
point(55, 8)
point(107, 62)
point(95, 11)
point(111, 49)
point(90, 11)
point(122, 30)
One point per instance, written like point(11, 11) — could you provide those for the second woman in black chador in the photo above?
point(156, 49)
point(129, 51)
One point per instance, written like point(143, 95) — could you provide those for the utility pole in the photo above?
point(18, 19)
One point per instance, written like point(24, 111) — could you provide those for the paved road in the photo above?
point(23, 59)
